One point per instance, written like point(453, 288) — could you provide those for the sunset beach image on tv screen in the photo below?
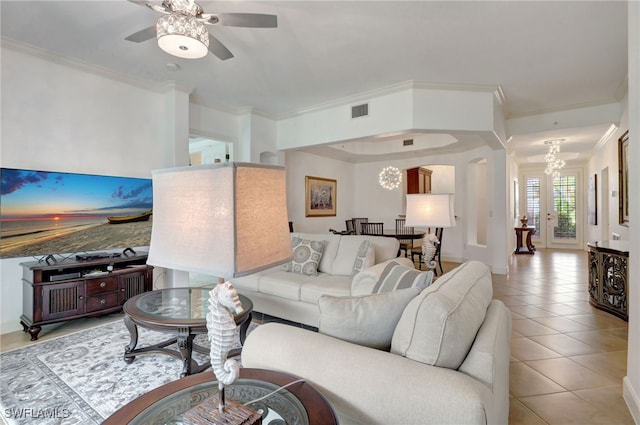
point(46, 213)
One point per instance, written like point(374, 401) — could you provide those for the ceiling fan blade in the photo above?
point(157, 7)
point(143, 35)
point(248, 20)
point(217, 48)
point(139, 2)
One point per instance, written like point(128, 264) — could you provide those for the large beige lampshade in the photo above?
point(225, 220)
point(432, 210)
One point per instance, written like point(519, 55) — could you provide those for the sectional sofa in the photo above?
point(448, 361)
point(344, 268)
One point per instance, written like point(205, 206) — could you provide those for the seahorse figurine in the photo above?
point(221, 331)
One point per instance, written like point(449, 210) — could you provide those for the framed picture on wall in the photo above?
point(321, 196)
point(623, 178)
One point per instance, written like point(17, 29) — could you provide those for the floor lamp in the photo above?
point(430, 210)
point(224, 220)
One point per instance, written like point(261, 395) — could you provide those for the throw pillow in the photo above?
point(294, 242)
point(394, 276)
point(306, 256)
point(365, 257)
point(368, 320)
point(438, 326)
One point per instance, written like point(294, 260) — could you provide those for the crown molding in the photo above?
point(391, 89)
point(198, 100)
point(19, 47)
point(565, 108)
point(605, 137)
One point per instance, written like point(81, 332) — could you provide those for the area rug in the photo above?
point(82, 378)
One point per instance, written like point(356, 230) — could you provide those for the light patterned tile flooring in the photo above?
point(568, 358)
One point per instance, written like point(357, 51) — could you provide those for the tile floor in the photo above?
point(568, 358)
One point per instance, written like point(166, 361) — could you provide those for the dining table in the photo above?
point(394, 234)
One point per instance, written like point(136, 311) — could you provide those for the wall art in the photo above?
point(321, 197)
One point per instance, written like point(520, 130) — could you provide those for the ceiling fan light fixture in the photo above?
point(183, 36)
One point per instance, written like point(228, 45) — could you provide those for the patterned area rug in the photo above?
point(82, 378)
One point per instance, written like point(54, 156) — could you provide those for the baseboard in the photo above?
point(632, 399)
point(500, 270)
point(9, 326)
point(458, 260)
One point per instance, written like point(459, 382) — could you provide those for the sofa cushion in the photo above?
point(331, 243)
point(306, 256)
point(284, 284)
point(439, 326)
point(346, 256)
point(368, 320)
point(395, 276)
point(364, 258)
point(339, 286)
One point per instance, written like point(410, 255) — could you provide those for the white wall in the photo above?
point(57, 118)
point(214, 123)
point(406, 107)
point(606, 156)
point(379, 204)
point(631, 389)
point(301, 164)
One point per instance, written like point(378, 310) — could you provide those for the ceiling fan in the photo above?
point(181, 30)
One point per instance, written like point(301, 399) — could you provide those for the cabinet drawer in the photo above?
point(102, 302)
point(100, 285)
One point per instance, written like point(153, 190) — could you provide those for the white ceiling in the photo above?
point(545, 56)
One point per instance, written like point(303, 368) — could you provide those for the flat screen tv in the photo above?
point(46, 213)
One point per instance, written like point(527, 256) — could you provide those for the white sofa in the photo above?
point(294, 296)
point(448, 363)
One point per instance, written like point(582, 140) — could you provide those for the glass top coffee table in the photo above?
point(181, 312)
point(298, 404)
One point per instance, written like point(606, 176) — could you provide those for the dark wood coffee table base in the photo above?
point(183, 330)
point(318, 409)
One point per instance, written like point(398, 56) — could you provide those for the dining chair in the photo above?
point(406, 245)
point(350, 228)
point(372, 228)
point(357, 224)
point(417, 252)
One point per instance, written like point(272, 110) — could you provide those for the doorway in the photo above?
point(554, 207)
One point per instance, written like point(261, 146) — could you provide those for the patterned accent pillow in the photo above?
point(306, 256)
point(365, 257)
point(394, 276)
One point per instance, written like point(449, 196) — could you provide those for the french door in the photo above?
point(554, 207)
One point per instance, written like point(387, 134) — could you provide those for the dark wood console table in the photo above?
point(60, 290)
point(529, 248)
point(609, 276)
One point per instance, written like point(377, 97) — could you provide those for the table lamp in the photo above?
point(225, 220)
point(430, 210)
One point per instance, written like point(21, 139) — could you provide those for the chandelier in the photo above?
point(553, 163)
point(182, 35)
point(390, 178)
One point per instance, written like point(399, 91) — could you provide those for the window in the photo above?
point(533, 202)
point(564, 202)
